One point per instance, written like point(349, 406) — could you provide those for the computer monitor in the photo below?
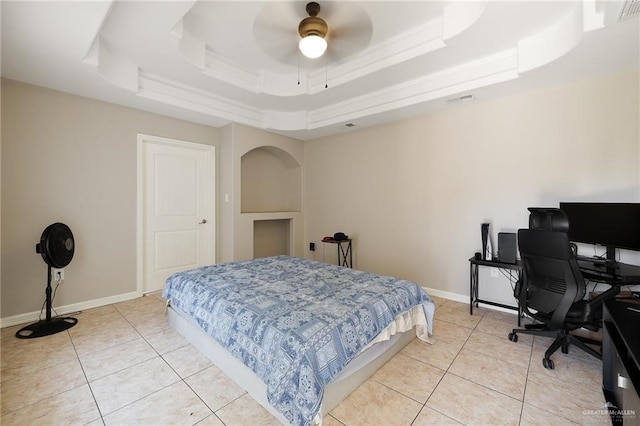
point(613, 225)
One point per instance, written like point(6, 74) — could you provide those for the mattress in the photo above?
point(296, 323)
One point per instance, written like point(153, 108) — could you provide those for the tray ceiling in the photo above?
point(217, 62)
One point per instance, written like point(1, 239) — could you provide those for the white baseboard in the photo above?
point(447, 295)
point(74, 307)
point(463, 298)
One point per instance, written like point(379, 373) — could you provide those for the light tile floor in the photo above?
point(122, 364)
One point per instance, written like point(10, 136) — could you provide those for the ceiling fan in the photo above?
point(343, 27)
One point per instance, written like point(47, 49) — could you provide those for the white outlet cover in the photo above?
point(57, 274)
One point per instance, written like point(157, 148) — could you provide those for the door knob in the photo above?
point(202, 222)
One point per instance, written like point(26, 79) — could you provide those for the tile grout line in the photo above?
point(559, 379)
point(102, 416)
point(424, 405)
point(526, 382)
point(474, 329)
point(182, 379)
point(157, 354)
point(42, 368)
point(87, 379)
point(213, 412)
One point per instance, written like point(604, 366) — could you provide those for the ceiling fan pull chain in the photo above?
point(326, 72)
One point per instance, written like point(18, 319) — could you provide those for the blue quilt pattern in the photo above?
point(295, 322)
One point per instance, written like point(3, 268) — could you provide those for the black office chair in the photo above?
point(552, 288)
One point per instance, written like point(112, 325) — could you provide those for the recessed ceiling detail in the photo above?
point(407, 45)
point(216, 62)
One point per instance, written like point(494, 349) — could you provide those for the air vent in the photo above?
point(630, 8)
point(465, 98)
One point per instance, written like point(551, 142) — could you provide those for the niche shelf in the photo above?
point(271, 181)
point(271, 237)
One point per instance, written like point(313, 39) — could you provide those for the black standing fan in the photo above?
point(57, 247)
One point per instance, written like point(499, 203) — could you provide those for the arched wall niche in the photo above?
point(260, 181)
point(271, 181)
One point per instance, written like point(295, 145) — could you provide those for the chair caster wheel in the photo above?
point(548, 364)
point(513, 337)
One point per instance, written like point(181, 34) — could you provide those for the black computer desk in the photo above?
point(615, 273)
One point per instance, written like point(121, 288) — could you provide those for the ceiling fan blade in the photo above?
point(350, 28)
point(275, 30)
point(350, 38)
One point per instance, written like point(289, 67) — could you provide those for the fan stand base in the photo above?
point(46, 327)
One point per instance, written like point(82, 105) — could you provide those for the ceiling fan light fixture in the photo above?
point(313, 46)
point(313, 31)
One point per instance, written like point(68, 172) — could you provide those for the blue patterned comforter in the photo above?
point(295, 322)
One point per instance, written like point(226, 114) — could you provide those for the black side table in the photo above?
point(345, 254)
point(474, 282)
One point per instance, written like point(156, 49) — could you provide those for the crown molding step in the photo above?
point(552, 43)
point(115, 69)
point(169, 92)
point(495, 69)
point(190, 47)
point(460, 16)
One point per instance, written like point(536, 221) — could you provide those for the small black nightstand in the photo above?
point(345, 254)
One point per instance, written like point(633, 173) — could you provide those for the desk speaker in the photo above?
point(507, 247)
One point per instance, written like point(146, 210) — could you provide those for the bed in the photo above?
point(296, 334)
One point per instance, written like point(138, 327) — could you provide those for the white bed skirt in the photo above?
point(395, 337)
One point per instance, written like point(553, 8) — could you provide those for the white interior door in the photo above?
point(178, 208)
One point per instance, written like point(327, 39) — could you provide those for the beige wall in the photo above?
point(72, 159)
point(413, 194)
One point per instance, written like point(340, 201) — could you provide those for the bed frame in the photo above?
point(351, 377)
